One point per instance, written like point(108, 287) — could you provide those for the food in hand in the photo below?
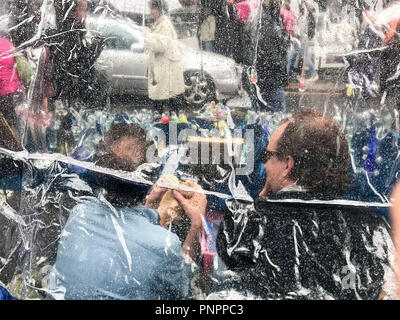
point(169, 208)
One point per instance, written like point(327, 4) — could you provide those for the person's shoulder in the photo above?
point(140, 210)
point(152, 233)
point(371, 216)
point(163, 26)
point(359, 217)
point(234, 204)
point(88, 207)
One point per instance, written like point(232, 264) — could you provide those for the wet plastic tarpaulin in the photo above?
point(73, 227)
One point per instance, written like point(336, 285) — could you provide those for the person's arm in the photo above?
point(395, 218)
point(191, 246)
point(195, 209)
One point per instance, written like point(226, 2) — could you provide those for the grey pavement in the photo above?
point(319, 94)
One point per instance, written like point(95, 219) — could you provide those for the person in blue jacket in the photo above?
point(113, 248)
point(5, 295)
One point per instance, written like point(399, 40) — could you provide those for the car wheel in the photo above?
point(198, 88)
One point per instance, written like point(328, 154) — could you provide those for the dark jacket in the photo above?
point(272, 50)
point(389, 61)
point(73, 72)
point(311, 24)
point(303, 251)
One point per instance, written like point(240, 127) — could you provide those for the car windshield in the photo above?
point(119, 33)
point(187, 149)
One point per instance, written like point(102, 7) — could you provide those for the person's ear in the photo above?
point(289, 165)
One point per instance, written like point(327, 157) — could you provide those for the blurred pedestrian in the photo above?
point(24, 20)
point(389, 65)
point(10, 86)
point(226, 30)
point(289, 21)
point(165, 70)
point(73, 74)
point(304, 32)
point(73, 54)
point(207, 30)
point(272, 57)
point(363, 64)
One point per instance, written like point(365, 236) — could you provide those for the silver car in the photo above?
point(207, 75)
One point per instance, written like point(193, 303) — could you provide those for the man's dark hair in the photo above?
point(320, 152)
point(160, 5)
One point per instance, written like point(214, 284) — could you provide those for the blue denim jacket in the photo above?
point(107, 253)
point(5, 295)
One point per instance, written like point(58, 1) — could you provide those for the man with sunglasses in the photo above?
point(295, 241)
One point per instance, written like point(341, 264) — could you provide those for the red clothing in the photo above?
point(391, 31)
point(289, 21)
point(9, 81)
point(244, 9)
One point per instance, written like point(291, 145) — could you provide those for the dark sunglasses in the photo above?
point(265, 155)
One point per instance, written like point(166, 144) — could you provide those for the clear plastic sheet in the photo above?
point(63, 236)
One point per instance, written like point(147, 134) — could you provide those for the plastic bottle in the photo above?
point(263, 121)
point(52, 135)
point(251, 117)
point(174, 117)
point(243, 155)
point(164, 119)
point(65, 141)
point(370, 164)
point(147, 118)
point(55, 125)
point(182, 118)
point(384, 122)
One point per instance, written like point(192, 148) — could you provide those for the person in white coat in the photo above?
point(207, 30)
point(165, 70)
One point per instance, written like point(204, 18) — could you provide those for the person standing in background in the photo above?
point(289, 21)
point(165, 70)
point(73, 55)
point(389, 80)
point(207, 30)
point(10, 84)
point(24, 19)
point(73, 52)
point(304, 32)
point(272, 57)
